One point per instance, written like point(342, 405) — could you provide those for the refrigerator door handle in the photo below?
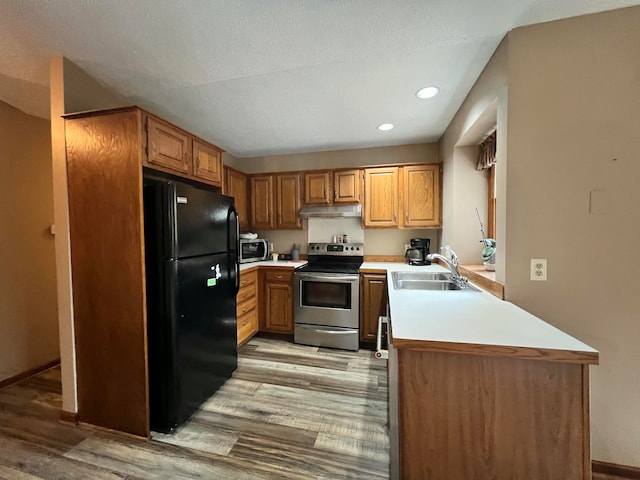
point(234, 212)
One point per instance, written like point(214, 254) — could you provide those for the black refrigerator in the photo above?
point(191, 256)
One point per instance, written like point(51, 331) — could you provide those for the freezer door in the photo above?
point(205, 326)
point(201, 220)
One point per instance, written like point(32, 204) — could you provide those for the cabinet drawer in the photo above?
point(278, 275)
point(247, 279)
point(245, 294)
point(247, 326)
point(245, 307)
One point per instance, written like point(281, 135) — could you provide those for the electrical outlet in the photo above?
point(407, 246)
point(539, 269)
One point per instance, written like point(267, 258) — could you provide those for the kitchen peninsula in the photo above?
point(480, 388)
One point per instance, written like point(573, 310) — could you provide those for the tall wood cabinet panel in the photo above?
point(373, 304)
point(317, 188)
point(346, 186)
point(421, 196)
point(236, 186)
point(168, 147)
point(107, 261)
point(288, 201)
point(207, 162)
point(381, 201)
point(262, 202)
point(276, 300)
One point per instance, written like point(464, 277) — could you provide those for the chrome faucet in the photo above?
point(452, 254)
point(452, 264)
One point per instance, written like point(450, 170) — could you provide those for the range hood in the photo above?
point(331, 211)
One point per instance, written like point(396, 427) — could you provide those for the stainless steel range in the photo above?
point(327, 296)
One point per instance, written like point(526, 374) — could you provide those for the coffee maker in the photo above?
point(417, 254)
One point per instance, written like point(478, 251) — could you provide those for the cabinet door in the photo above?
point(168, 147)
point(288, 200)
point(279, 307)
point(262, 202)
point(346, 186)
point(236, 186)
point(373, 303)
point(422, 196)
point(207, 162)
point(381, 187)
point(317, 188)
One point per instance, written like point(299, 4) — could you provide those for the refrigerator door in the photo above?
point(205, 329)
point(200, 220)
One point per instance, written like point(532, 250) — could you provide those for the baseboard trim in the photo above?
point(29, 373)
point(622, 471)
point(70, 417)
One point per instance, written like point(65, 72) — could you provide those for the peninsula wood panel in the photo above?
point(346, 186)
point(381, 205)
point(373, 302)
point(168, 146)
point(107, 260)
point(288, 201)
point(317, 188)
point(472, 417)
point(207, 162)
point(236, 186)
point(262, 202)
point(421, 205)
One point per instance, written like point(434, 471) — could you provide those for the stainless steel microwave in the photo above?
point(253, 250)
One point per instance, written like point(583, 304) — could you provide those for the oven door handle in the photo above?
point(328, 277)
point(334, 332)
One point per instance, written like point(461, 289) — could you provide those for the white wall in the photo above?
point(464, 188)
point(28, 320)
point(574, 113)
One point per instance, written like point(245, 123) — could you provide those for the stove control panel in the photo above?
point(350, 249)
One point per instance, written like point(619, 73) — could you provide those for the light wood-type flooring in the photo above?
point(290, 412)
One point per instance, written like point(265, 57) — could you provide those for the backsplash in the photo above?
point(382, 241)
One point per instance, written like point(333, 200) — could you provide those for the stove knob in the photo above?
point(357, 248)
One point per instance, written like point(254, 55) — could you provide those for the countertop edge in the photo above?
point(487, 350)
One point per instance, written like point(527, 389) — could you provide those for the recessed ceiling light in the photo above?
point(427, 92)
point(385, 126)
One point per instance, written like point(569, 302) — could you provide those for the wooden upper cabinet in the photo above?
point(421, 200)
point(236, 186)
point(262, 202)
point(288, 201)
point(381, 197)
point(168, 147)
point(207, 162)
point(317, 188)
point(346, 186)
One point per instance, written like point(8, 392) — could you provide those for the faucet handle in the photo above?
point(452, 254)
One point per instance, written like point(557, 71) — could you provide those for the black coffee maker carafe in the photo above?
point(417, 254)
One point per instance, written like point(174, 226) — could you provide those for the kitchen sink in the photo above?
point(420, 276)
point(428, 281)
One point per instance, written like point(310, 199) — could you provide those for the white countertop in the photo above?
point(454, 320)
point(271, 263)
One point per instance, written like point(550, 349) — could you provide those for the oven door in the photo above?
point(330, 299)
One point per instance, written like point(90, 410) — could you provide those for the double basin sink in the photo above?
point(428, 281)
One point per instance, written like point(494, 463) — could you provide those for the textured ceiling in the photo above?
point(260, 77)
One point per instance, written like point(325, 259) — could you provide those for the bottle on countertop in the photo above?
point(344, 238)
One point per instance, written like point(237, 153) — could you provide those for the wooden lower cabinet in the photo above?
point(373, 303)
point(276, 300)
point(247, 306)
point(455, 415)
